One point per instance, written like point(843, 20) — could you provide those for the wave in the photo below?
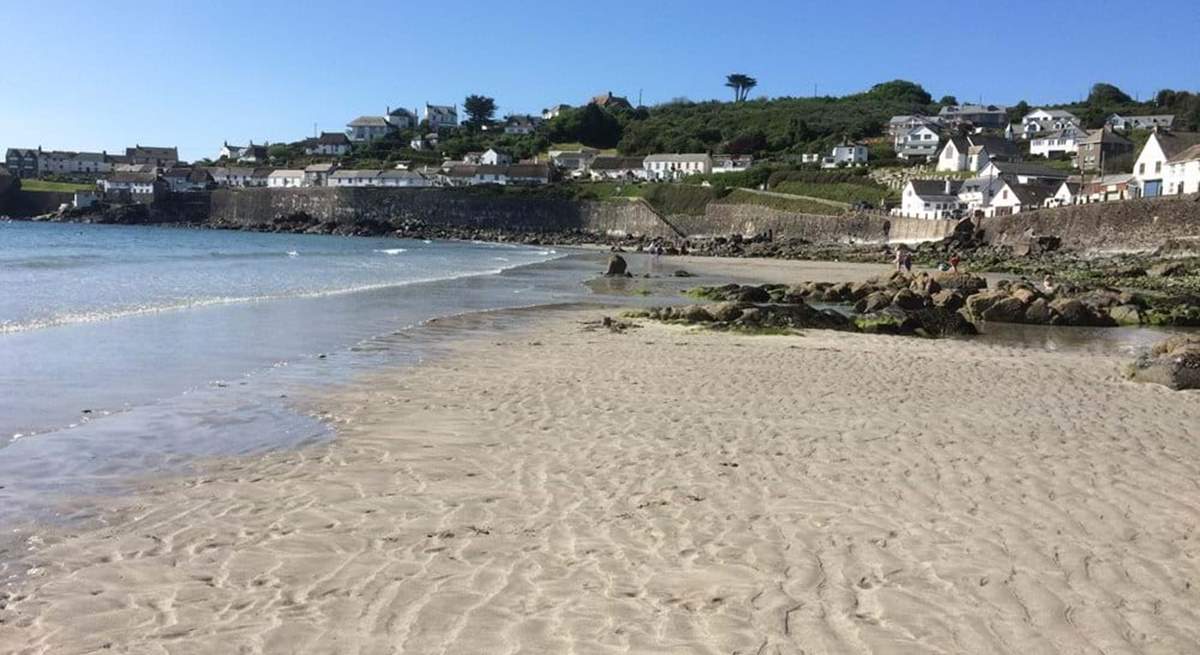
point(391, 251)
point(12, 327)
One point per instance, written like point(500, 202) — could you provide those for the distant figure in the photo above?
point(954, 261)
point(1048, 284)
point(907, 262)
point(899, 259)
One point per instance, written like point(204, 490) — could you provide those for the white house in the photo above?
point(145, 185)
point(1109, 188)
point(489, 174)
point(493, 157)
point(521, 124)
point(1040, 121)
point(1183, 172)
point(368, 128)
point(1125, 123)
point(399, 178)
point(554, 111)
point(979, 116)
point(574, 162)
point(354, 178)
point(1059, 142)
point(898, 125)
point(810, 158)
point(1067, 193)
point(318, 174)
point(68, 162)
point(247, 154)
point(619, 168)
point(329, 144)
point(400, 118)
point(528, 174)
point(673, 167)
point(1150, 168)
point(730, 163)
point(920, 142)
point(441, 116)
point(231, 177)
point(976, 193)
point(846, 154)
point(1014, 198)
point(285, 178)
point(959, 155)
point(930, 199)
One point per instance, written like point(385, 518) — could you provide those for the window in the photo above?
point(1158, 167)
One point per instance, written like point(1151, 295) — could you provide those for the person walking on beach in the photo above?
point(900, 259)
point(907, 262)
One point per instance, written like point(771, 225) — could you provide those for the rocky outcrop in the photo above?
point(1174, 363)
point(616, 267)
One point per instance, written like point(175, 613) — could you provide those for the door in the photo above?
point(1152, 188)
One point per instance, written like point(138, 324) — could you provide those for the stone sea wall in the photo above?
point(723, 219)
point(466, 209)
point(1132, 225)
point(26, 204)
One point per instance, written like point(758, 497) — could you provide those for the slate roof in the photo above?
point(927, 188)
point(1174, 143)
point(1032, 194)
point(1028, 169)
point(1189, 154)
point(616, 163)
point(369, 121)
point(333, 139)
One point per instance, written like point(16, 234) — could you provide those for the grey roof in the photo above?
point(1173, 143)
point(124, 177)
point(333, 139)
point(1052, 113)
point(529, 170)
point(936, 187)
point(369, 121)
point(616, 163)
point(364, 172)
point(677, 158)
point(1106, 136)
point(400, 174)
point(1190, 154)
point(1028, 169)
point(320, 168)
point(1032, 194)
point(286, 172)
point(153, 152)
point(954, 110)
point(262, 172)
point(461, 170)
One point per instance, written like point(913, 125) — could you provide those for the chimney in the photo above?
point(947, 186)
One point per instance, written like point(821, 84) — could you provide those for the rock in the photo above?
point(860, 290)
point(979, 303)
point(727, 312)
point(1006, 310)
point(929, 322)
point(907, 299)
point(1174, 363)
point(1074, 312)
point(1126, 314)
point(873, 303)
point(616, 266)
point(1039, 313)
point(1025, 294)
point(696, 314)
point(964, 282)
point(837, 293)
point(751, 293)
point(950, 299)
point(1167, 269)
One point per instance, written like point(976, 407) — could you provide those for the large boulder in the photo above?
point(1039, 313)
point(964, 282)
point(727, 312)
point(950, 299)
point(873, 303)
point(1005, 310)
point(1126, 314)
point(908, 300)
point(1075, 312)
point(979, 303)
point(1174, 363)
point(616, 267)
point(928, 322)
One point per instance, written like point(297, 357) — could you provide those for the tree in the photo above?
point(1018, 111)
point(1104, 95)
point(480, 110)
point(948, 101)
point(591, 125)
point(741, 85)
point(1164, 98)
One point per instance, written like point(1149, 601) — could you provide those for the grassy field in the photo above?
point(847, 192)
point(64, 187)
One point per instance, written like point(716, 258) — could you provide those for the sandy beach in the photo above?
point(566, 489)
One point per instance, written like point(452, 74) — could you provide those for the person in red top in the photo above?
point(954, 260)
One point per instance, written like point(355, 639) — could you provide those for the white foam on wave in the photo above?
point(123, 312)
point(391, 251)
point(293, 253)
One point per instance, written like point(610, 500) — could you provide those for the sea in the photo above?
point(128, 351)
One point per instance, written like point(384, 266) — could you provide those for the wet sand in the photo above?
point(561, 489)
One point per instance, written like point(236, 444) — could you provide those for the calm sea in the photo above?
point(127, 350)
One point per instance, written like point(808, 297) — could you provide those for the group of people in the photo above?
point(904, 261)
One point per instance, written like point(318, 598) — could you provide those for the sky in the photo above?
point(105, 75)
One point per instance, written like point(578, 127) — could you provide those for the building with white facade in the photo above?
point(1040, 121)
point(65, 162)
point(1149, 170)
point(846, 154)
point(731, 163)
point(400, 118)
point(1126, 123)
point(619, 168)
point(1014, 198)
point(575, 163)
point(329, 144)
point(285, 178)
point(493, 157)
point(1182, 173)
point(666, 167)
point(1057, 143)
point(441, 116)
point(930, 199)
point(355, 178)
point(980, 116)
point(920, 142)
point(395, 178)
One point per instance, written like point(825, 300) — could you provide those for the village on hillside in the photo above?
point(964, 160)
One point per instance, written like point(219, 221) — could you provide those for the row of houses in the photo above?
point(1168, 164)
point(36, 162)
point(588, 163)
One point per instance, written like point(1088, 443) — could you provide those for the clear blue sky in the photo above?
point(103, 75)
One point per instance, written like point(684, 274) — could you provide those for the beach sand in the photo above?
point(561, 489)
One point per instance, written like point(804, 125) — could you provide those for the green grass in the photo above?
point(679, 198)
point(848, 192)
point(63, 187)
point(796, 205)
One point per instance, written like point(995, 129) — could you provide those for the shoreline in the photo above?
point(668, 489)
